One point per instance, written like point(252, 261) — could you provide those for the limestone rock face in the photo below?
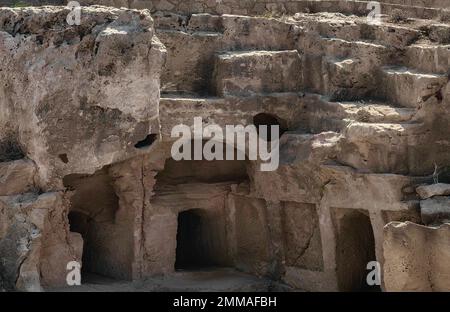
point(247, 73)
point(302, 237)
point(16, 177)
point(87, 175)
point(22, 225)
point(438, 189)
point(59, 245)
point(78, 97)
point(416, 257)
point(435, 210)
point(74, 98)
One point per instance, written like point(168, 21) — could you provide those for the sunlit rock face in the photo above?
point(74, 98)
point(416, 257)
point(78, 97)
point(87, 171)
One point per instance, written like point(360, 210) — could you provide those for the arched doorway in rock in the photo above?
point(196, 244)
point(107, 239)
point(192, 197)
point(355, 248)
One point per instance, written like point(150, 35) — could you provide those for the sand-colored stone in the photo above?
point(87, 175)
point(417, 257)
point(438, 189)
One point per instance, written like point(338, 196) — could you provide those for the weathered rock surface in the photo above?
point(416, 257)
point(435, 210)
point(438, 189)
point(17, 177)
point(78, 97)
point(253, 72)
point(22, 226)
point(414, 8)
point(75, 99)
point(85, 149)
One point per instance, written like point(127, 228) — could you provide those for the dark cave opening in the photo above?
point(268, 120)
point(79, 223)
point(10, 150)
point(107, 237)
point(64, 158)
point(193, 192)
point(148, 141)
point(194, 249)
point(355, 249)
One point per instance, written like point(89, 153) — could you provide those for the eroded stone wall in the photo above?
point(403, 8)
point(61, 77)
point(63, 114)
point(416, 257)
point(87, 135)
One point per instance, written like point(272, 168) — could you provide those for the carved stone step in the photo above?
point(375, 112)
point(371, 52)
point(429, 58)
point(435, 210)
point(246, 73)
point(182, 109)
point(378, 147)
point(327, 115)
point(420, 3)
point(335, 26)
point(409, 88)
